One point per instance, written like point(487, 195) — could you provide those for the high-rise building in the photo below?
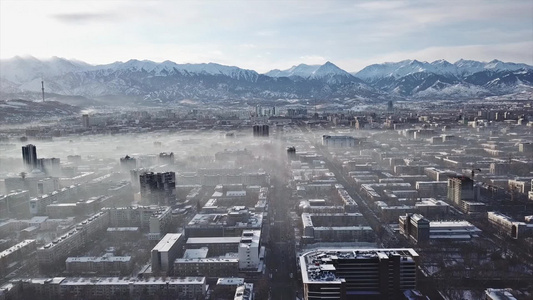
point(85, 121)
point(415, 226)
point(158, 188)
point(460, 188)
point(166, 158)
point(128, 163)
point(29, 155)
point(50, 166)
point(291, 153)
point(249, 250)
point(358, 273)
point(260, 130)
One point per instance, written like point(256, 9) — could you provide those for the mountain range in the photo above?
point(168, 81)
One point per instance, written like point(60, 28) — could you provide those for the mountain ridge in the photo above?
point(169, 81)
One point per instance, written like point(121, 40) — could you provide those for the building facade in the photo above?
point(158, 188)
point(358, 273)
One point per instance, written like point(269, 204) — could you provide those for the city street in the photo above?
point(281, 260)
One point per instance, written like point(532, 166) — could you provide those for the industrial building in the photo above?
point(421, 230)
point(347, 274)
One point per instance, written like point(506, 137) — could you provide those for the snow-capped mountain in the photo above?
point(167, 81)
point(458, 69)
point(22, 69)
point(328, 71)
point(168, 67)
point(441, 79)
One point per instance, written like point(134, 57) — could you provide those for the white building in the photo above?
point(166, 251)
point(250, 254)
point(244, 292)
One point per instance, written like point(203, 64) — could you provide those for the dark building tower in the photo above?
point(415, 226)
point(29, 155)
point(158, 188)
point(390, 106)
point(291, 153)
point(128, 163)
point(50, 166)
point(166, 158)
point(260, 130)
point(85, 121)
point(460, 188)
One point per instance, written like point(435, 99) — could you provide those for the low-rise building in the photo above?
point(57, 251)
point(109, 288)
point(509, 226)
point(15, 254)
point(107, 264)
point(335, 228)
point(421, 230)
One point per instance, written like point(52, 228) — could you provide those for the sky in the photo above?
point(265, 35)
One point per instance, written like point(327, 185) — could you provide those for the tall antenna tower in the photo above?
point(42, 84)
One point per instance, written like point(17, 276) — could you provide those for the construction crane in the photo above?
point(474, 172)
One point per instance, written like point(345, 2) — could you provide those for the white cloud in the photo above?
point(263, 35)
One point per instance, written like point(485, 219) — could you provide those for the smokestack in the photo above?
point(42, 84)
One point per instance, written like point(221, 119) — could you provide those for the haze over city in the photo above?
point(266, 150)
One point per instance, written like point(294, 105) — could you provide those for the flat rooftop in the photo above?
point(317, 265)
point(167, 242)
point(214, 240)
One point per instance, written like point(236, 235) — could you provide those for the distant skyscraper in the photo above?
point(291, 153)
point(29, 155)
point(50, 166)
point(158, 188)
point(260, 130)
point(128, 163)
point(85, 121)
point(166, 158)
